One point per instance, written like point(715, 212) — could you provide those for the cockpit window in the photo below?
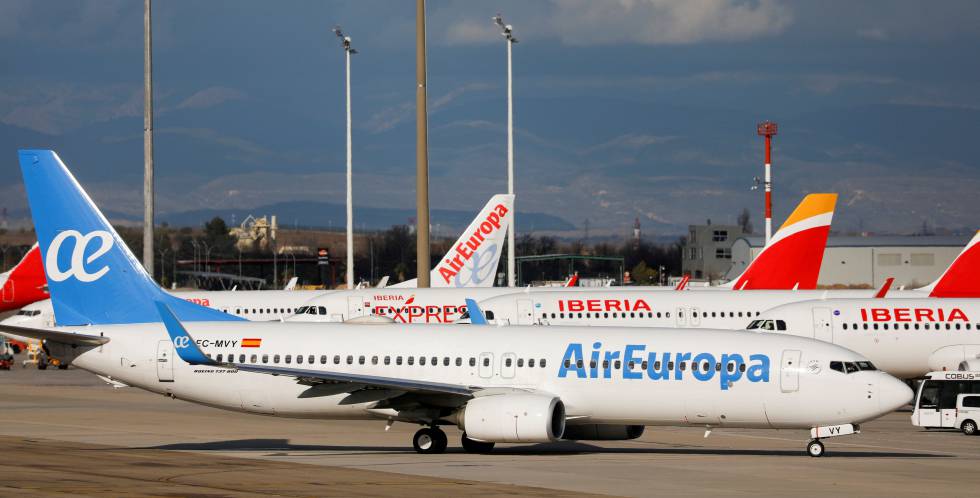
point(767, 325)
point(851, 366)
point(301, 310)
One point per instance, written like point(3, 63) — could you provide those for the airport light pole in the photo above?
point(147, 140)
point(508, 32)
point(768, 129)
point(422, 248)
point(348, 51)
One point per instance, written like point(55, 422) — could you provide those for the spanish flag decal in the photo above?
point(251, 343)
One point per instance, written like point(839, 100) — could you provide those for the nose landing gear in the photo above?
point(430, 440)
point(814, 448)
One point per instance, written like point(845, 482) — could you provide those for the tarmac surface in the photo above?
point(68, 433)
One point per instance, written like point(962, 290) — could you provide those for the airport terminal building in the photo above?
point(914, 261)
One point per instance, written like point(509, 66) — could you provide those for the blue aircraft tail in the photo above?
point(93, 277)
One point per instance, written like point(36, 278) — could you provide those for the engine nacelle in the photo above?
point(513, 418)
point(971, 365)
point(602, 432)
point(951, 357)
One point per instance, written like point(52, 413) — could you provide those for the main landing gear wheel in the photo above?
point(472, 446)
point(814, 448)
point(430, 440)
point(969, 428)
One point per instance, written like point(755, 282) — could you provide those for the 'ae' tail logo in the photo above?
point(78, 261)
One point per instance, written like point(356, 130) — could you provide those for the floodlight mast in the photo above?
point(348, 50)
point(508, 32)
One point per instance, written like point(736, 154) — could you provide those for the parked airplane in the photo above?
point(24, 283)
point(699, 308)
point(905, 337)
point(498, 385)
point(470, 264)
point(791, 261)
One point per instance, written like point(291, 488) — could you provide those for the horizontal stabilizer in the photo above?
point(70, 338)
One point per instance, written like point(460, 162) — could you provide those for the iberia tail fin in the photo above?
point(792, 258)
point(962, 278)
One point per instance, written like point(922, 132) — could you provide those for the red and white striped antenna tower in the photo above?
point(768, 129)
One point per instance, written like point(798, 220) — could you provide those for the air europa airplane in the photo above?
point(791, 261)
point(497, 385)
point(472, 261)
point(703, 308)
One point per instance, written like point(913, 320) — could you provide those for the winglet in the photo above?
point(884, 288)
point(683, 283)
point(184, 344)
point(476, 314)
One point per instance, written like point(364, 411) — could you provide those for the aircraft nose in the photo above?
point(893, 393)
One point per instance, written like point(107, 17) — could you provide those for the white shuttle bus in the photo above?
point(948, 400)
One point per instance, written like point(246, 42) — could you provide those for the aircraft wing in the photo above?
point(53, 335)
point(366, 380)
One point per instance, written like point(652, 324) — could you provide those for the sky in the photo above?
point(623, 110)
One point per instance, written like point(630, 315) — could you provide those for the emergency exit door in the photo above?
point(355, 307)
point(789, 371)
point(823, 325)
point(525, 313)
point(165, 361)
point(486, 365)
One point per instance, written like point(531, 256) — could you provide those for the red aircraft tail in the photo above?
point(793, 256)
point(962, 278)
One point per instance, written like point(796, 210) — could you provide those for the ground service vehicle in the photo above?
point(949, 399)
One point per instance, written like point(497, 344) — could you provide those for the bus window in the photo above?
point(929, 398)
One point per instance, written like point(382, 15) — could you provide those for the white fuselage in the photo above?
point(786, 383)
point(904, 337)
point(710, 309)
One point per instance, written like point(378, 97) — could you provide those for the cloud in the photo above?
point(210, 97)
point(392, 116)
point(876, 34)
point(646, 22)
point(630, 141)
point(55, 109)
point(823, 84)
point(249, 150)
point(469, 31)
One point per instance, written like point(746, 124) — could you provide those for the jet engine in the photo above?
point(513, 418)
point(971, 365)
point(602, 432)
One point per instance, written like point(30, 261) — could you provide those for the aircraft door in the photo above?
point(508, 365)
point(165, 361)
point(7, 291)
point(679, 317)
point(789, 371)
point(695, 317)
point(823, 325)
point(525, 312)
point(355, 307)
point(486, 365)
